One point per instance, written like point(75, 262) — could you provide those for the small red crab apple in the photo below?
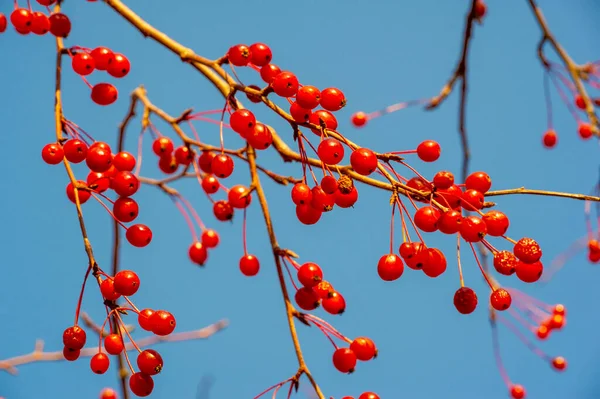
point(480, 9)
point(108, 393)
point(60, 25)
point(465, 300)
point(359, 119)
point(517, 391)
point(368, 395)
point(198, 253)
point(308, 97)
point(113, 343)
point(500, 299)
point(429, 151)
point(344, 359)
point(40, 23)
point(126, 282)
point(249, 265)
point(332, 99)
point(150, 362)
point(100, 363)
point(584, 130)
point(322, 118)
point(364, 348)
point(74, 338)
point(260, 54)
point(363, 161)
point(3, 23)
point(390, 267)
point(163, 323)
point(550, 139)
point(21, 19)
point(104, 94)
point(141, 384)
point(239, 55)
point(285, 84)
point(139, 235)
point(53, 153)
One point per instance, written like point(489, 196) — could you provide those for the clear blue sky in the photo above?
point(377, 54)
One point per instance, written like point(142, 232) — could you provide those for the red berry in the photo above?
point(500, 299)
point(429, 151)
point(579, 102)
point(53, 153)
point(242, 122)
point(104, 94)
point(449, 222)
point(99, 363)
point(436, 263)
point(308, 97)
point(307, 299)
point(75, 150)
point(450, 197)
point(107, 288)
point(369, 395)
point(108, 393)
point(144, 319)
point(103, 57)
point(473, 229)
point(113, 343)
point(163, 322)
point(210, 184)
point(480, 9)
point(3, 23)
point(443, 179)
point(363, 348)
point(239, 55)
point(260, 137)
point(479, 181)
point(268, 73)
point(163, 146)
point(223, 211)
point(168, 164)
point(205, 161)
point(125, 184)
point(529, 272)
point(301, 194)
point(321, 200)
point(517, 392)
point(119, 67)
point(139, 235)
point(324, 289)
point(359, 119)
point(559, 363)
point(363, 161)
point(83, 195)
point(249, 265)
point(183, 155)
point(198, 253)
point(496, 222)
point(346, 200)
point(505, 262)
point(60, 25)
point(222, 166)
point(344, 360)
point(126, 282)
point(308, 215)
point(210, 238)
point(310, 274)
point(465, 300)
point(472, 200)
point(98, 159)
point(332, 99)
point(550, 138)
point(261, 54)
point(83, 64)
point(74, 338)
point(124, 161)
point(21, 19)
point(285, 84)
point(300, 115)
point(40, 23)
point(239, 197)
point(334, 303)
point(150, 362)
point(331, 151)
point(71, 354)
point(527, 250)
point(390, 267)
point(426, 218)
point(323, 119)
point(141, 384)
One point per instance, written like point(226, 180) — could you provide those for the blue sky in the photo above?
point(378, 55)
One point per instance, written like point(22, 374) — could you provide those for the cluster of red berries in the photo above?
point(553, 322)
point(345, 359)
point(107, 171)
point(85, 61)
point(26, 21)
point(315, 291)
point(594, 251)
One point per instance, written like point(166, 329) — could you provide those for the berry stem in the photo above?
point(460, 272)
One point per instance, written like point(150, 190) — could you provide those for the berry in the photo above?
point(205, 161)
point(331, 151)
point(332, 99)
point(198, 253)
point(60, 25)
point(71, 354)
point(527, 250)
point(98, 159)
point(260, 54)
point(222, 165)
point(363, 161)
point(308, 215)
point(443, 179)
point(359, 119)
point(119, 67)
point(103, 57)
point(549, 139)
point(334, 303)
point(449, 222)
point(223, 211)
point(308, 97)
point(210, 184)
point(496, 223)
point(249, 265)
point(83, 64)
point(113, 343)
point(126, 282)
point(144, 319)
point(307, 299)
point(584, 130)
point(579, 102)
point(104, 94)
point(183, 155)
point(40, 23)
point(323, 119)
point(472, 200)
point(285, 84)
point(139, 235)
point(429, 151)
point(310, 274)
point(479, 181)
point(344, 359)
point(517, 392)
point(125, 184)
point(3, 23)
point(239, 55)
point(529, 272)
point(168, 164)
point(149, 362)
point(465, 300)
point(83, 195)
point(74, 338)
point(321, 200)
point(369, 395)
point(108, 393)
point(559, 363)
point(268, 73)
point(363, 348)
point(480, 9)
point(324, 289)
point(99, 363)
point(390, 267)
point(473, 229)
point(21, 19)
point(505, 262)
point(300, 115)
point(260, 137)
point(124, 161)
point(301, 194)
point(163, 146)
point(141, 384)
point(53, 153)
point(426, 218)
point(99, 182)
point(500, 299)
point(329, 184)
point(107, 288)
point(242, 122)
point(436, 263)
point(163, 322)
point(210, 238)
point(346, 200)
